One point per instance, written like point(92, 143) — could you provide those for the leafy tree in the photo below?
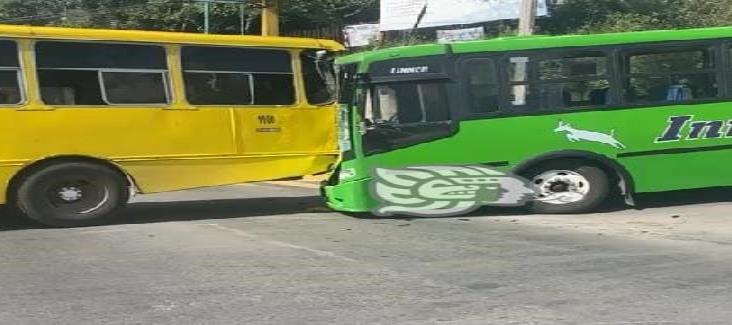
point(590, 16)
point(138, 14)
point(36, 12)
point(180, 15)
point(570, 16)
point(329, 12)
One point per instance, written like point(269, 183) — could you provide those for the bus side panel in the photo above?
point(158, 176)
point(625, 135)
point(6, 173)
point(119, 132)
point(680, 171)
point(302, 130)
point(687, 163)
point(156, 146)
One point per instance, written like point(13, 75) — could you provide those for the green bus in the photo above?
point(582, 117)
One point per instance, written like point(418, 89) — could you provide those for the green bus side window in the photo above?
point(573, 80)
point(671, 76)
point(483, 85)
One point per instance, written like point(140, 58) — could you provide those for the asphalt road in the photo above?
point(277, 256)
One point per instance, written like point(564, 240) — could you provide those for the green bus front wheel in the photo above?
point(568, 187)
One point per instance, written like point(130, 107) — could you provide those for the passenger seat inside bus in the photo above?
point(600, 97)
point(679, 92)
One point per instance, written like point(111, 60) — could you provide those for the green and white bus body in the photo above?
point(625, 113)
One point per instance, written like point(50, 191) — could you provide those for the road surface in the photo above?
point(272, 254)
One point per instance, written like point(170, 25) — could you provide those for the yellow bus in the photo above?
point(90, 116)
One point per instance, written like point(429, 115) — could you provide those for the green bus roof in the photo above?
point(539, 42)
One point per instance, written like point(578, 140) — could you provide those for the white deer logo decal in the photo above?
point(576, 135)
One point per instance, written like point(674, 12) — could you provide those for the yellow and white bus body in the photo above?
point(161, 111)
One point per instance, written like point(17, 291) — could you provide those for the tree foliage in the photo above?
point(591, 16)
point(328, 12)
point(180, 15)
point(571, 16)
point(39, 12)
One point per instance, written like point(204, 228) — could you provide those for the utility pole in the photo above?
point(527, 22)
point(527, 17)
point(270, 18)
point(206, 14)
point(242, 19)
point(270, 15)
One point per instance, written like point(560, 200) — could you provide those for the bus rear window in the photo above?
point(319, 76)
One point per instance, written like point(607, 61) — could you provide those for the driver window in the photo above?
point(369, 109)
point(400, 114)
point(388, 104)
point(409, 103)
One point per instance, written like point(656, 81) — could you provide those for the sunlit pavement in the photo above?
point(272, 254)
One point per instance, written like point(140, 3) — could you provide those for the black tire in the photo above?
point(597, 180)
point(72, 194)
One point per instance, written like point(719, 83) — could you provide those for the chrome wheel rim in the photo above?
point(561, 187)
point(77, 196)
point(70, 194)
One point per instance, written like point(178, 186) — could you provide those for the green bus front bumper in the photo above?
point(351, 196)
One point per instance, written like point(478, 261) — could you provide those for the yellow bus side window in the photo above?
point(69, 87)
point(237, 76)
point(274, 89)
point(10, 90)
point(73, 73)
point(216, 88)
point(135, 87)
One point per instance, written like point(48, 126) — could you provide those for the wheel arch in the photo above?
point(28, 169)
point(626, 183)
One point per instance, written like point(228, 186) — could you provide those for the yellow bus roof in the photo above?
point(25, 31)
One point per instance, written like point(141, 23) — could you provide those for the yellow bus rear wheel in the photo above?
point(72, 194)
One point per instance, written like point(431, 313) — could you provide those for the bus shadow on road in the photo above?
point(643, 201)
point(686, 197)
point(154, 212)
point(658, 200)
point(219, 209)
